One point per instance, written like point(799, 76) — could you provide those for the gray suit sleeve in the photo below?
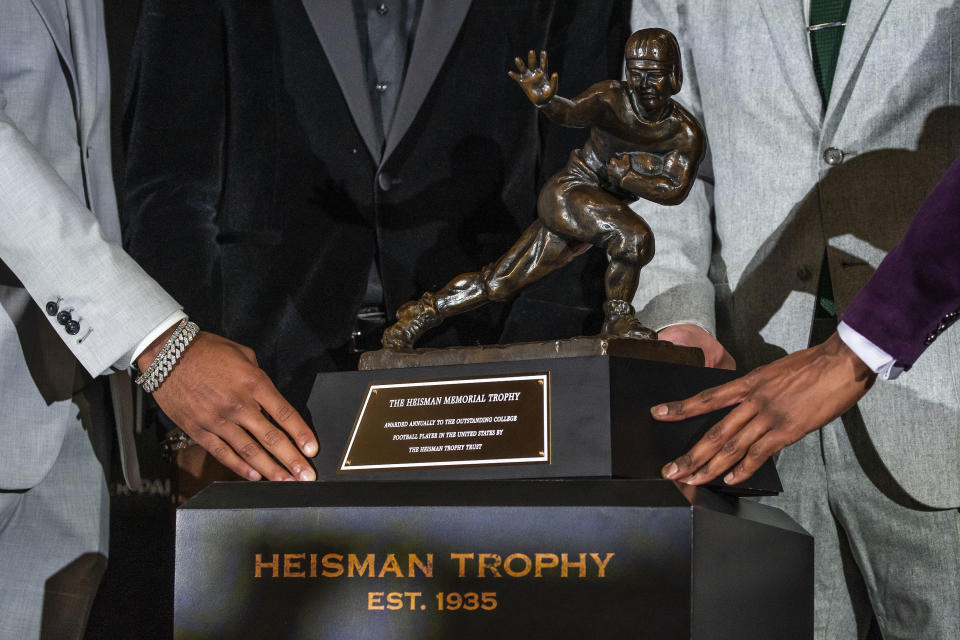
point(54, 245)
point(675, 287)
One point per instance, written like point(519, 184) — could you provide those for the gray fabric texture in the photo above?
point(53, 546)
point(773, 204)
point(59, 243)
point(54, 162)
point(742, 256)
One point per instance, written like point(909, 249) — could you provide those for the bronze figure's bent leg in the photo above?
point(538, 252)
point(590, 214)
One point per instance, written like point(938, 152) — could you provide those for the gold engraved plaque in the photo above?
point(452, 422)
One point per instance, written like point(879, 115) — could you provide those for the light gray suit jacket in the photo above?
point(60, 229)
point(787, 179)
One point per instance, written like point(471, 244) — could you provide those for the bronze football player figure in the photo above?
point(642, 144)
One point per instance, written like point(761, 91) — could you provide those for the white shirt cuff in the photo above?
point(879, 361)
point(129, 357)
point(693, 322)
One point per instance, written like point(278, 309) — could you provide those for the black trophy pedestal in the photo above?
point(495, 559)
point(584, 541)
point(600, 423)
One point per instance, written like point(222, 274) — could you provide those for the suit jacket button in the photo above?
point(64, 317)
point(833, 156)
point(52, 308)
point(72, 327)
point(385, 181)
point(803, 273)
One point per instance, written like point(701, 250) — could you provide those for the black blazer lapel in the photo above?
point(336, 26)
point(438, 27)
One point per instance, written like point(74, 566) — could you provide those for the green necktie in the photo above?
point(827, 18)
point(826, 32)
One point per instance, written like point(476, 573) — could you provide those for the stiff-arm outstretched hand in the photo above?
point(777, 404)
point(533, 79)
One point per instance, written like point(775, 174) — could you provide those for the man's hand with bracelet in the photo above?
point(215, 391)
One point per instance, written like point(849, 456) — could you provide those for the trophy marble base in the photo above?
point(654, 350)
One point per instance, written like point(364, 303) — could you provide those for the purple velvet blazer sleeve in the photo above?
point(915, 293)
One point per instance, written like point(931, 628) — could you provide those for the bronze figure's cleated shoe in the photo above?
point(413, 320)
point(619, 321)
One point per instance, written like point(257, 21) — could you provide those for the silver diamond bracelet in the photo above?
point(160, 368)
